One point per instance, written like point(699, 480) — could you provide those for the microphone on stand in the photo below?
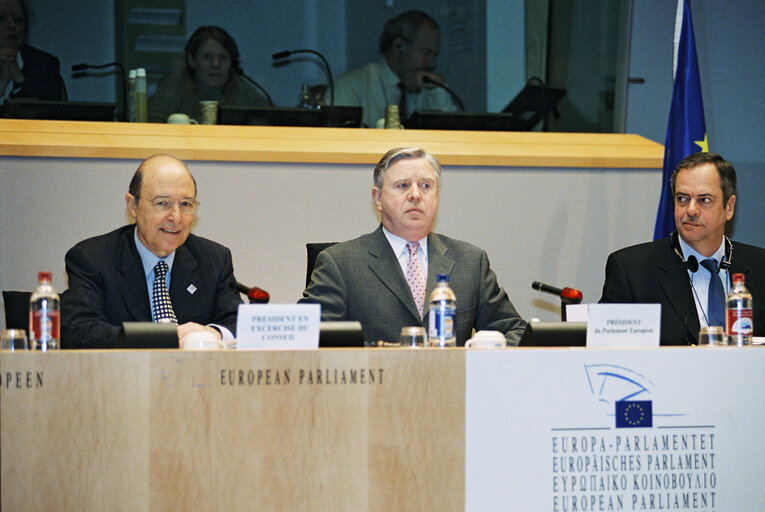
point(283, 55)
point(79, 68)
point(427, 80)
point(567, 295)
point(255, 295)
point(240, 72)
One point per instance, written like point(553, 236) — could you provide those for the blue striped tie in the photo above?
point(716, 296)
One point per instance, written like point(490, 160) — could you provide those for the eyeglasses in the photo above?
point(165, 205)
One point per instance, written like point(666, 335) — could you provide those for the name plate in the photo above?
point(278, 326)
point(623, 325)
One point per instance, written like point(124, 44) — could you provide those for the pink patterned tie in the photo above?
point(415, 277)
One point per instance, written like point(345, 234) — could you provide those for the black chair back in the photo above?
point(313, 251)
point(17, 310)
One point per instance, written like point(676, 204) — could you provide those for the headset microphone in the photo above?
point(691, 264)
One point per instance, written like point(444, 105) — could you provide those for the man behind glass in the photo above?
point(409, 44)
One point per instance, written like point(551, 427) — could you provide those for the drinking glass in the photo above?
point(712, 336)
point(14, 339)
point(414, 336)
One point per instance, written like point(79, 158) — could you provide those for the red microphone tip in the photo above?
point(571, 293)
point(258, 295)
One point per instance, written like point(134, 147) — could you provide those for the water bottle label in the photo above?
point(441, 324)
point(740, 322)
point(45, 326)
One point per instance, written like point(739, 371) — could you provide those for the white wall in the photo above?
point(535, 224)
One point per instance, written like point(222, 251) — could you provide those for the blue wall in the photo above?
point(730, 44)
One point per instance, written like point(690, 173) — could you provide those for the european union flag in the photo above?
point(634, 413)
point(686, 132)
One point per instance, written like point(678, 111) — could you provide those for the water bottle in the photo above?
point(130, 114)
point(442, 315)
point(738, 313)
point(141, 111)
point(44, 315)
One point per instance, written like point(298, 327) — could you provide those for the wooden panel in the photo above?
point(324, 145)
point(253, 430)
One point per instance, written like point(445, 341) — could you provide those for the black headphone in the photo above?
point(692, 263)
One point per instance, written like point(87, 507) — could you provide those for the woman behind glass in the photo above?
point(211, 73)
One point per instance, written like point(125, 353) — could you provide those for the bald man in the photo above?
point(152, 270)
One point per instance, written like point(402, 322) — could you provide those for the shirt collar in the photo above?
point(688, 251)
point(148, 258)
point(390, 78)
point(398, 244)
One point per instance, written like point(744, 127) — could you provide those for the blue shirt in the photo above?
point(700, 278)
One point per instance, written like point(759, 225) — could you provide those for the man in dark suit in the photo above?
point(365, 279)
point(126, 275)
point(25, 71)
point(673, 272)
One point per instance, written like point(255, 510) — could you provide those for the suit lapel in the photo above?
point(182, 280)
point(738, 265)
point(673, 279)
point(384, 264)
point(438, 263)
point(132, 282)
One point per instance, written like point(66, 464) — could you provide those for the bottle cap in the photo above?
point(44, 275)
point(738, 277)
point(442, 277)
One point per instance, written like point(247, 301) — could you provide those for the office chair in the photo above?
point(17, 310)
point(313, 251)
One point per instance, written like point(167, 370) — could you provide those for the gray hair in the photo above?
point(405, 26)
point(396, 154)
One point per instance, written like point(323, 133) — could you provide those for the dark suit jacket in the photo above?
point(107, 286)
point(653, 273)
point(41, 76)
point(362, 280)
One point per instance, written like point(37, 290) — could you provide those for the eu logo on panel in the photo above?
point(635, 413)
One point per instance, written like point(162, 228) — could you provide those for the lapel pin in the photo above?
point(191, 289)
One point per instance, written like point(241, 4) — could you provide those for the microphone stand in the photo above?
point(427, 80)
point(567, 295)
point(285, 54)
point(79, 68)
point(240, 72)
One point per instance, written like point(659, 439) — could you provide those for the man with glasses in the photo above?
point(153, 270)
point(409, 44)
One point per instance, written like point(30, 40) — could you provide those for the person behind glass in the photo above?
point(383, 279)
point(25, 71)
point(152, 270)
point(689, 273)
point(409, 44)
point(211, 72)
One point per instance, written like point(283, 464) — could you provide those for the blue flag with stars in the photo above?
point(686, 132)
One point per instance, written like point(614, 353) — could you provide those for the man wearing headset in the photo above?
point(675, 271)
